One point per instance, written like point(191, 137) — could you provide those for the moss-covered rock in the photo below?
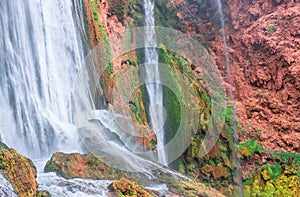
point(124, 187)
point(77, 165)
point(189, 188)
point(217, 165)
point(279, 177)
point(42, 193)
point(287, 184)
point(18, 170)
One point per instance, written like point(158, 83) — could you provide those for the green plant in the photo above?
point(249, 147)
point(95, 14)
point(257, 132)
point(273, 171)
point(109, 69)
point(271, 28)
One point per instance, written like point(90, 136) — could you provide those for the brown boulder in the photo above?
point(88, 166)
point(19, 171)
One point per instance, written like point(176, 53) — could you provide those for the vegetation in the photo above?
point(124, 187)
point(120, 8)
point(166, 14)
point(279, 177)
point(109, 69)
point(100, 24)
point(216, 168)
point(271, 28)
point(249, 147)
point(136, 107)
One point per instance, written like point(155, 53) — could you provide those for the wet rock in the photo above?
point(18, 170)
point(124, 187)
point(189, 188)
point(88, 166)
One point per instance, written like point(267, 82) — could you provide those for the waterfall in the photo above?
point(40, 51)
point(233, 124)
point(154, 89)
point(48, 94)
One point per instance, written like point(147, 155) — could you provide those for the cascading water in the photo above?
point(40, 48)
point(46, 94)
point(233, 124)
point(40, 53)
point(154, 89)
point(6, 189)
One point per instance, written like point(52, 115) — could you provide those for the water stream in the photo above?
point(233, 124)
point(155, 90)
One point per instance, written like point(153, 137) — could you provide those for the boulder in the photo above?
point(124, 187)
point(18, 170)
point(76, 165)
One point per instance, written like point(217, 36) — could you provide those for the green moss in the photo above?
point(18, 170)
point(286, 184)
point(273, 171)
point(110, 69)
point(42, 194)
point(166, 14)
point(101, 26)
point(124, 187)
point(136, 108)
point(171, 102)
point(249, 147)
point(280, 177)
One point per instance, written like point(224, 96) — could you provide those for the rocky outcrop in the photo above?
point(87, 166)
point(124, 187)
point(77, 165)
point(190, 188)
point(19, 171)
point(263, 184)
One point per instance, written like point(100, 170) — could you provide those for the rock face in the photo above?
point(264, 42)
point(106, 19)
point(19, 171)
